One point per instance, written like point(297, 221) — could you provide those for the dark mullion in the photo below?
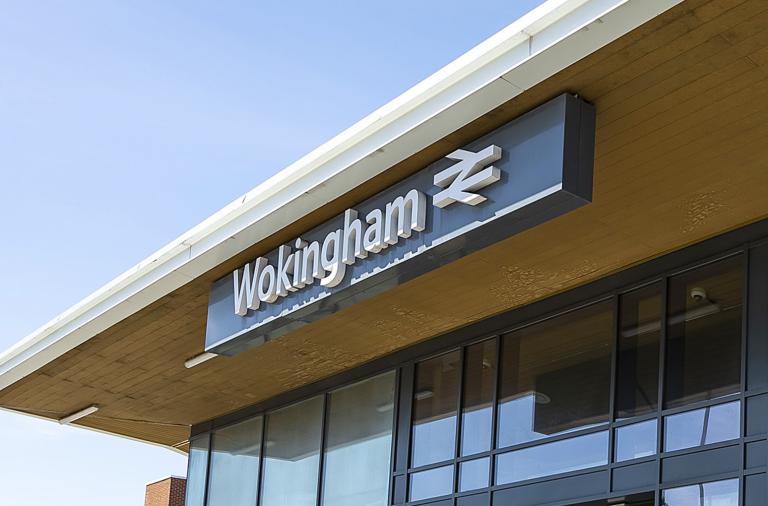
point(208, 458)
point(321, 464)
point(612, 388)
point(494, 418)
point(701, 448)
point(395, 434)
point(617, 424)
point(661, 378)
point(746, 256)
point(263, 439)
point(262, 459)
point(406, 424)
point(459, 418)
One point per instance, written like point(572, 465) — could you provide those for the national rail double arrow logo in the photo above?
point(470, 174)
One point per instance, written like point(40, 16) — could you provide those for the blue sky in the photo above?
point(122, 124)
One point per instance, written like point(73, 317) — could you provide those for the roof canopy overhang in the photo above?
point(680, 94)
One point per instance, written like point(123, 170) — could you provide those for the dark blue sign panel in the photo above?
point(530, 170)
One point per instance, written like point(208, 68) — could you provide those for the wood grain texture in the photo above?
point(681, 156)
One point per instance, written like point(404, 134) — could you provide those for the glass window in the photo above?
point(702, 426)
point(292, 454)
point(637, 382)
point(234, 477)
point(431, 483)
point(716, 493)
point(197, 468)
point(477, 413)
point(359, 443)
point(473, 474)
point(636, 441)
point(556, 375)
point(434, 409)
point(556, 457)
point(704, 333)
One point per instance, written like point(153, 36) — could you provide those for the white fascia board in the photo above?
point(533, 48)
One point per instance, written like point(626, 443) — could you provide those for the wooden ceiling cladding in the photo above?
point(681, 128)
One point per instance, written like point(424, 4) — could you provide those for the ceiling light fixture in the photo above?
point(199, 359)
point(77, 415)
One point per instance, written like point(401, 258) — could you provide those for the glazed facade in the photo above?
point(647, 387)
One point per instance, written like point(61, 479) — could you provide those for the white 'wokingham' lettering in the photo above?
point(327, 261)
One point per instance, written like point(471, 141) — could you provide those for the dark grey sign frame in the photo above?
point(551, 146)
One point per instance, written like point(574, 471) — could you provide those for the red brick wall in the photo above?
point(167, 492)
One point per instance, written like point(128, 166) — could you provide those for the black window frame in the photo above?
point(751, 242)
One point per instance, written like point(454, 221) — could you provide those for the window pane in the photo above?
point(552, 458)
point(292, 454)
point(479, 378)
point(684, 430)
point(473, 474)
point(359, 443)
point(637, 384)
point(717, 493)
point(431, 483)
point(434, 409)
point(702, 426)
point(197, 468)
point(723, 423)
point(704, 333)
point(556, 375)
point(235, 454)
point(636, 440)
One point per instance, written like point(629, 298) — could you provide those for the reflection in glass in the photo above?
point(637, 382)
point(434, 409)
point(555, 375)
point(359, 442)
point(292, 454)
point(716, 493)
point(477, 414)
point(703, 359)
point(197, 468)
point(473, 474)
point(702, 426)
point(556, 457)
point(234, 476)
point(431, 483)
point(636, 441)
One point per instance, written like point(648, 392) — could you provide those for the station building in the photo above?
point(539, 277)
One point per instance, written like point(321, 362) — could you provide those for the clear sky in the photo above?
point(122, 124)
